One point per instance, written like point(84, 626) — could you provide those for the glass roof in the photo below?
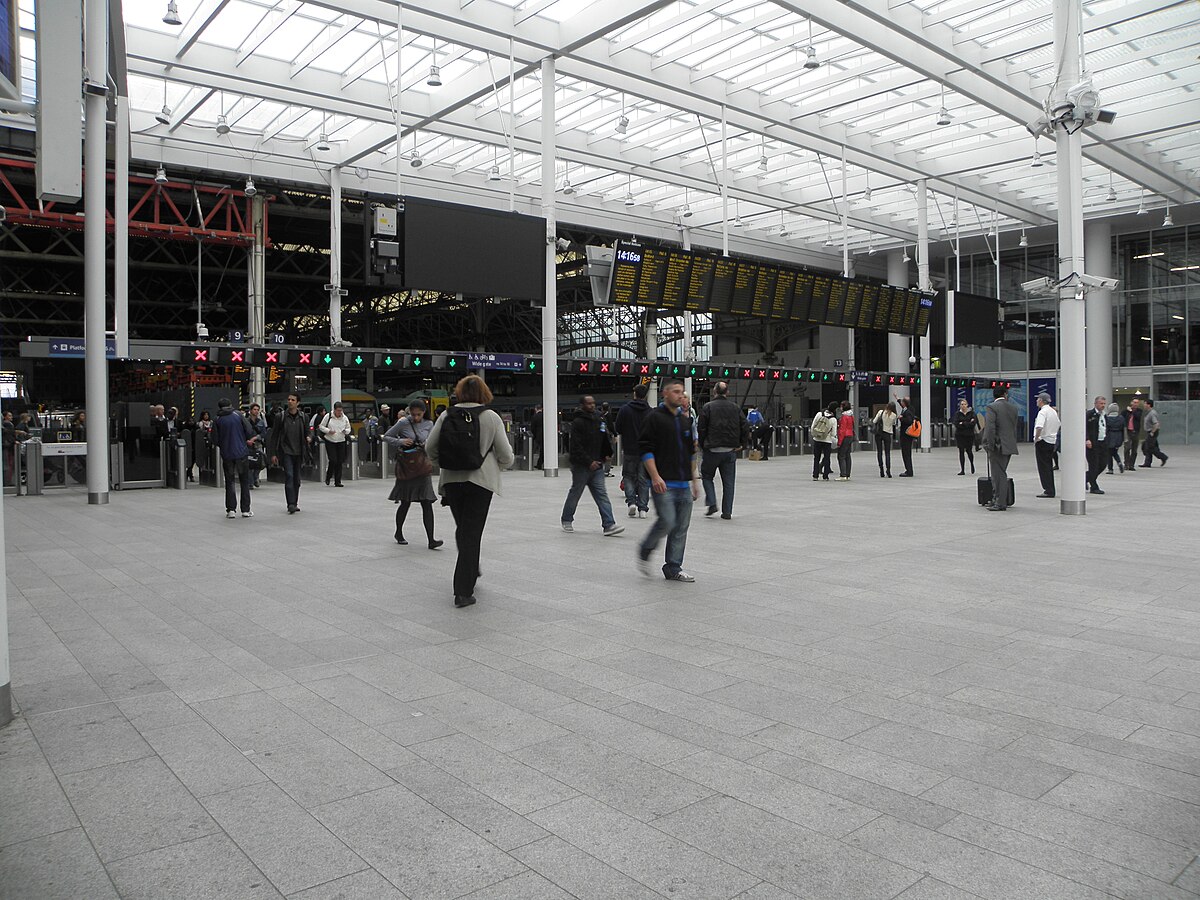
point(863, 98)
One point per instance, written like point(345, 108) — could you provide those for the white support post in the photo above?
point(1072, 387)
point(257, 290)
point(724, 181)
point(688, 354)
point(550, 309)
point(1098, 257)
point(899, 347)
point(121, 228)
point(335, 279)
point(924, 284)
point(95, 366)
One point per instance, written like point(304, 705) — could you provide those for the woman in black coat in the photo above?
point(966, 426)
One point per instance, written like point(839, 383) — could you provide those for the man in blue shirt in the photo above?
point(667, 446)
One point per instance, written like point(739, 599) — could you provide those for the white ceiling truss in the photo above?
point(286, 72)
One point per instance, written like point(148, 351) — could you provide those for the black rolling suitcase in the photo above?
point(984, 489)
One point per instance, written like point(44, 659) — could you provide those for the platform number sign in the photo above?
point(275, 337)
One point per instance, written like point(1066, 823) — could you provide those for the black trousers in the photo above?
point(999, 468)
point(906, 445)
point(821, 451)
point(1097, 459)
point(1044, 451)
point(1132, 439)
point(883, 451)
point(239, 470)
point(336, 452)
point(469, 504)
point(845, 449)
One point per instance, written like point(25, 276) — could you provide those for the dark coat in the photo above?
point(233, 432)
point(671, 440)
point(722, 424)
point(589, 439)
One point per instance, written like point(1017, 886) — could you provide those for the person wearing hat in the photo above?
point(1045, 442)
point(234, 436)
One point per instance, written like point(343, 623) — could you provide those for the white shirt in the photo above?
point(1047, 420)
point(336, 428)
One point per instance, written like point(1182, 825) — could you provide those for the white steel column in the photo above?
point(335, 279)
point(95, 58)
point(1072, 387)
point(923, 283)
point(121, 228)
point(1097, 256)
point(257, 290)
point(550, 309)
point(899, 347)
point(688, 355)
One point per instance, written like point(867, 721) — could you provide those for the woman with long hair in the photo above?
point(966, 428)
point(408, 438)
point(884, 426)
point(469, 491)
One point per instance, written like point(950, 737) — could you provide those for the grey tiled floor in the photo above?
point(873, 690)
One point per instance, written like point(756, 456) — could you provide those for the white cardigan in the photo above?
point(491, 437)
point(335, 430)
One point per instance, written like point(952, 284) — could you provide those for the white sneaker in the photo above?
point(247, 515)
point(641, 514)
point(681, 576)
point(633, 511)
point(568, 527)
point(613, 529)
point(230, 514)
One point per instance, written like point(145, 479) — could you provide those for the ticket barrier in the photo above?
point(30, 455)
point(374, 465)
point(180, 454)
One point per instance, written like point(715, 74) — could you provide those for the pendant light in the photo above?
point(629, 201)
point(1024, 242)
point(811, 62)
point(943, 113)
point(171, 16)
point(435, 72)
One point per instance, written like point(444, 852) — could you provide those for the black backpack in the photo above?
point(458, 443)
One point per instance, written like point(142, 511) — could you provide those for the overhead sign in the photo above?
point(508, 362)
point(74, 347)
point(859, 376)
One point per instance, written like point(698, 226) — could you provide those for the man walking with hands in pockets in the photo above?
point(667, 447)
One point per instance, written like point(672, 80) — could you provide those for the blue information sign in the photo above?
point(74, 347)
point(508, 362)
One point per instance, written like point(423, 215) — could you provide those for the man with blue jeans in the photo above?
point(288, 437)
point(633, 473)
point(667, 447)
point(723, 432)
point(589, 451)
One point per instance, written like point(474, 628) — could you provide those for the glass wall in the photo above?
point(1156, 319)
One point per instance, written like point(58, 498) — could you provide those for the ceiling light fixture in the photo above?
point(322, 144)
point(1167, 220)
point(811, 62)
point(163, 116)
point(871, 248)
point(1036, 162)
point(1141, 210)
point(160, 177)
point(762, 159)
point(222, 124)
point(737, 214)
point(629, 201)
point(622, 125)
point(943, 113)
point(1024, 242)
point(494, 173)
point(1111, 197)
point(171, 16)
point(251, 190)
point(435, 71)
point(829, 236)
point(907, 258)
point(415, 160)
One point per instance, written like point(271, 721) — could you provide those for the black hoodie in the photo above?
point(589, 439)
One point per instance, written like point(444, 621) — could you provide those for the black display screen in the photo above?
point(976, 320)
point(479, 252)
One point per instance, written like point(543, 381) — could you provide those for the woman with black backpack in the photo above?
point(823, 432)
point(469, 444)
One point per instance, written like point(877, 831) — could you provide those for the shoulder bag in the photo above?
point(413, 462)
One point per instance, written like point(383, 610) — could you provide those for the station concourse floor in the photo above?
point(874, 689)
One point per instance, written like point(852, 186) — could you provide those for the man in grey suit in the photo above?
point(1000, 422)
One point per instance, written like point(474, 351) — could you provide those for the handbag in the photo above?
point(914, 430)
point(413, 462)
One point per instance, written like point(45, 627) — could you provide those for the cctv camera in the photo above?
point(1095, 281)
point(201, 330)
point(912, 360)
point(563, 244)
point(1038, 286)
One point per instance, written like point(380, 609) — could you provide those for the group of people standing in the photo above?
point(835, 426)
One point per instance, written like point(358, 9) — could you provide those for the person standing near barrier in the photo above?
point(723, 432)
point(535, 426)
point(289, 437)
point(335, 430)
point(966, 432)
point(667, 447)
point(1151, 425)
point(469, 443)
point(1000, 422)
point(908, 417)
point(633, 473)
point(590, 450)
point(259, 423)
point(845, 440)
point(823, 432)
point(234, 436)
point(414, 481)
point(884, 427)
point(1045, 443)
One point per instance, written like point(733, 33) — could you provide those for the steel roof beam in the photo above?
point(206, 11)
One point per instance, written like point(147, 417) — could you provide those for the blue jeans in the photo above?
point(637, 484)
point(583, 477)
point(709, 466)
point(674, 510)
point(291, 478)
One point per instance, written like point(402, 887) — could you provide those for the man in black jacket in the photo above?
point(633, 473)
point(590, 448)
point(1133, 432)
point(1096, 431)
point(666, 447)
point(289, 433)
point(723, 432)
